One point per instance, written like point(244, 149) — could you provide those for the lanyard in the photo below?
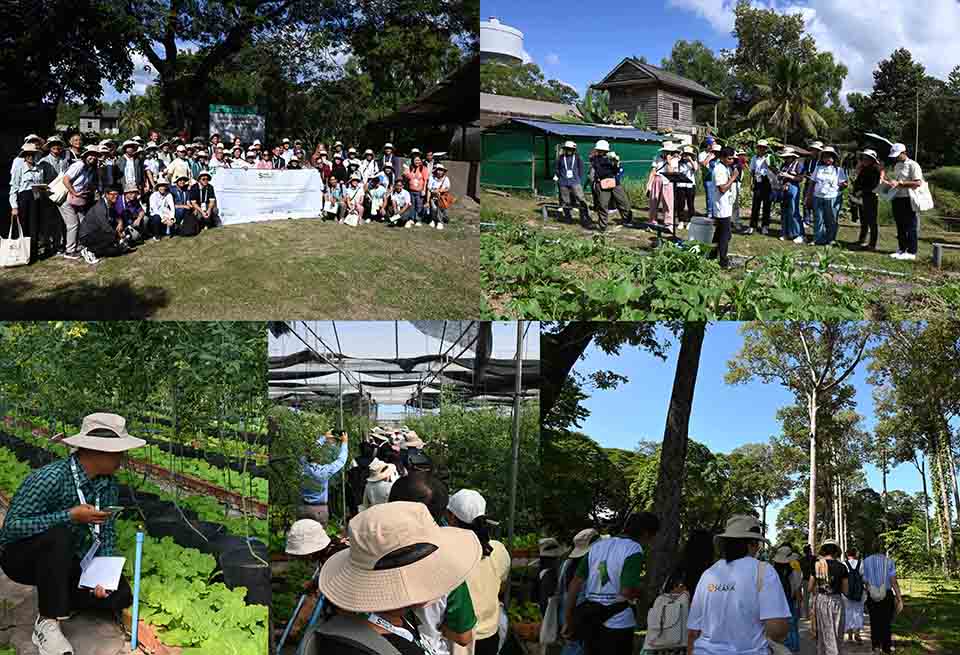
point(567, 167)
point(83, 501)
point(400, 632)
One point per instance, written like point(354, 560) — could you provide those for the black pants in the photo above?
point(683, 200)
point(906, 220)
point(721, 237)
point(47, 562)
point(609, 641)
point(102, 244)
point(761, 202)
point(868, 218)
point(620, 200)
point(881, 617)
point(488, 646)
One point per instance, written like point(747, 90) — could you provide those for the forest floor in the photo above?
point(300, 268)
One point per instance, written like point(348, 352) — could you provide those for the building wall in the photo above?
point(631, 99)
point(665, 120)
point(89, 124)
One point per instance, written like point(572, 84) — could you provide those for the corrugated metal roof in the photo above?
point(497, 104)
point(590, 130)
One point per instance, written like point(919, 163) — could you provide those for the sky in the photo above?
point(578, 48)
point(723, 416)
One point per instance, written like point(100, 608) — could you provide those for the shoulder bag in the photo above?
point(58, 190)
point(921, 199)
point(14, 252)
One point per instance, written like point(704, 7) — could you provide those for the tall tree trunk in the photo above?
point(812, 505)
point(926, 500)
point(559, 352)
point(673, 456)
point(948, 463)
point(941, 502)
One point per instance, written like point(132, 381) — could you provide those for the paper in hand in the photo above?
point(104, 572)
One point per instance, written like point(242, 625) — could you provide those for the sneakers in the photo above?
point(764, 230)
point(748, 231)
point(410, 224)
point(897, 255)
point(439, 226)
point(367, 221)
point(154, 238)
point(48, 638)
point(433, 224)
point(799, 240)
point(418, 224)
point(72, 255)
point(907, 257)
point(88, 256)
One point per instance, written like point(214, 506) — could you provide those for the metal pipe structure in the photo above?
point(136, 593)
point(514, 451)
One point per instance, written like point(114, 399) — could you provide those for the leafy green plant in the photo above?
point(525, 613)
point(12, 471)
point(528, 541)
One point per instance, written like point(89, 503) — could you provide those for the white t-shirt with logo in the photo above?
point(722, 202)
point(728, 611)
point(608, 555)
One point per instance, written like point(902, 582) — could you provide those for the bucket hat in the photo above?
point(91, 149)
point(742, 526)
point(872, 154)
point(716, 147)
point(204, 174)
point(582, 542)
point(130, 142)
point(182, 177)
point(412, 440)
point(782, 556)
point(130, 188)
point(439, 167)
point(816, 145)
point(764, 143)
point(468, 505)
point(788, 152)
point(830, 542)
point(385, 146)
point(689, 150)
point(163, 182)
point(106, 433)
point(368, 151)
point(550, 547)
point(306, 537)
point(29, 147)
point(828, 149)
point(398, 557)
point(380, 470)
point(52, 140)
point(33, 137)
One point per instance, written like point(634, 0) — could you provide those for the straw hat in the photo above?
point(550, 547)
point(570, 144)
point(828, 149)
point(582, 542)
point(380, 470)
point(468, 505)
point(206, 174)
point(162, 182)
point(371, 576)
point(356, 177)
point(782, 555)
point(130, 142)
point(872, 154)
point(689, 150)
point(412, 440)
point(306, 537)
point(106, 433)
point(763, 143)
point(30, 148)
point(742, 526)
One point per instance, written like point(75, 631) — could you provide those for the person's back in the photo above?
point(728, 610)
point(97, 221)
point(605, 564)
point(484, 584)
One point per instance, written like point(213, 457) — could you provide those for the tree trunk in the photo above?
point(673, 455)
point(941, 502)
point(926, 500)
point(763, 520)
point(812, 506)
point(559, 353)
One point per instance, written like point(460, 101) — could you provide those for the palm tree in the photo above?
point(787, 99)
point(135, 117)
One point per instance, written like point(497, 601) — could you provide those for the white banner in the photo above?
point(247, 195)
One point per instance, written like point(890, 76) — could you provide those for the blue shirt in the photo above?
point(318, 477)
point(878, 570)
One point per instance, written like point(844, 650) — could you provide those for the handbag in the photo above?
point(58, 190)
point(608, 183)
point(920, 198)
point(14, 252)
point(446, 200)
point(352, 219)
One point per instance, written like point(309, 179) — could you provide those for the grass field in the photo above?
point(291, 269)
point(931, 617)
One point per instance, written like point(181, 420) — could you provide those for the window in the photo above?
point(676, 111)
point(89, 125)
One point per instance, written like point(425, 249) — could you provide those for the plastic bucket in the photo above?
point(701, 230)
point(241, 569)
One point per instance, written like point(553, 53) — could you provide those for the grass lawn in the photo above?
point(257, 271)
point(931, 617)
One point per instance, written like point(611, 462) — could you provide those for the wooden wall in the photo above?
point(665, 100)
point(656, 103)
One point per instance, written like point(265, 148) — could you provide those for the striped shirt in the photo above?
point(44, 499)
point(879, 570)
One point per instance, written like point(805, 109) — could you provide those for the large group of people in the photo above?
point(809, 187)
point(136, 191)
point(417, 570)
point(727, 593)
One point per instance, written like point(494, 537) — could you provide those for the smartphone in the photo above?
point(113, 509)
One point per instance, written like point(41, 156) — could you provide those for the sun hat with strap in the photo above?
point(306, 537)
point(398, 557)
point(742, 526)
point(104, 432)
point(582, 542)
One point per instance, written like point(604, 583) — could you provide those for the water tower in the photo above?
point(500, 43)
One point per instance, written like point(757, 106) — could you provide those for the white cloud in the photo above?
point(552, 59)
point(859, 34)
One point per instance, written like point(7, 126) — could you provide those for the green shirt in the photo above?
point(460, 613)
point(44, 499)
point(631, 575)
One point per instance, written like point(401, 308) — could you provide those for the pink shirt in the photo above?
point(264, 164)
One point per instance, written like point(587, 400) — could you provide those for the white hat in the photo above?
point(130, 142)
point(286, 140)
point(181, 148)
point(368, 151)
point(467, 505)
point(872, 154)
point(782, 555)
point(385, 146)
point(91, 149)
point(414, 150)
point(256, 142)
point(668, 146)
point(716, 147)
point(371, 576)
point(763, 142)
point(380, 470)
point(896, 149)
point(202, 173)
point(828, 149)
point(351, 149)
point(138, 139)
point(602, 145)
point(412, 440)
point(106, 433)
point(550, 547)
point(306, 537)
point(742, 526)
point(582, 542)
point(570, 144)
point(33, 137)
point(788, 152)
point(29, 147)
point(439, 167)
point(356, 177)
point(816, 145)
point(251, 153)
point(690, 150)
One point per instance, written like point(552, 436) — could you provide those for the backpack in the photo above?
point(667, 622)
point(344, 630)
point(855, 582)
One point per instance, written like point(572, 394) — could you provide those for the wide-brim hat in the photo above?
point(182, 177)
point(439, 167)
point(130, 142)
point(441, 559)
point(690, 150)
point(787, 152)
point(306, 537)
point(356, 178)
point(782, 556)
point(384, 472)
point(131, 188)
point(668, 147)
point(828, 150)
point(742, 526)
point(385, 145)
point(91, 149)
point(763, 143)
point(582, 542)
point(151, 146)
point(550, 547)
point(104, 432)
point(830, 542)
point(716, 147)
point(872, 154)
point(33, 137)
point(162, 182)
point(204, 173)
point(816, 145)
point(29, 148)
point(572, 145)
point(413, 440)
point(52, 140)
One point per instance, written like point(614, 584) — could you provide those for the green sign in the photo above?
point(232, 109)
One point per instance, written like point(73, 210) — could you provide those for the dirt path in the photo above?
point(808, 645)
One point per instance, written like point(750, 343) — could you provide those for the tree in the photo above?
point(953, 81)
point(595, 107)
point(524, 81)
point(761, 471)
point(786, 100)
point(810, 360)
point(673, 456)
point(695, 61)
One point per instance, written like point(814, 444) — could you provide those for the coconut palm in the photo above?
point(787, 100)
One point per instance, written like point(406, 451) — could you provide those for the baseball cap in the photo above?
point(896, 149)
point(467, 505)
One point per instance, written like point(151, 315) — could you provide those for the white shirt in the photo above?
point(130, 172)
point(827, 180)
point(400, 200)
point(437, 186)
point(162, 205)
point(722, 202)
point(728, 611)
point(613, 552)
point(687, 169)
point(431, 618)
point(759, 166)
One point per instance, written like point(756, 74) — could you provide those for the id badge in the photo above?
point(569, 175)
point(94, 547)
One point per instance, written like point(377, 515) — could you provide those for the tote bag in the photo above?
point(14, 252)
point(58, 190)
point(921, 199)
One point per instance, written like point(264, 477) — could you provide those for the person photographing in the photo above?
point(57, 524)
point(317, 480)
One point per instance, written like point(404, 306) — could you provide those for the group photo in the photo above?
point(293, 129)
point(757, 164)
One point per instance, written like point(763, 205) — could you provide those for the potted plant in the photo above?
point(525, 619)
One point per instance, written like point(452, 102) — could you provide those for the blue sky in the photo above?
point(579, 44)
point(723, 417)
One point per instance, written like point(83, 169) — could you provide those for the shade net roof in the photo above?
point(401, 362)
